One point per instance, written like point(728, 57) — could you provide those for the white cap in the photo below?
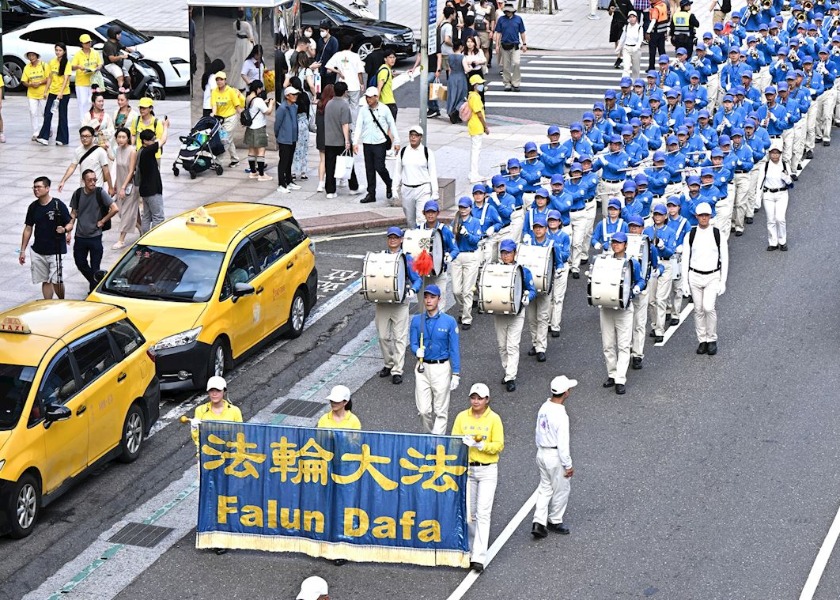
point(481, 389)
point(371, 92)
point(313, 587)
point(562, 384)
point(416, 129)
point(703, 209)
point(216, 383)
point(339, 393)
point(291, 90)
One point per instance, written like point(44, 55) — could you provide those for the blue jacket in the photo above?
point(663, 239)
point(680, 226)
point(528, 224)
point(553, 158)
point(488, 217)
point(605, 229)
point(285, 123)
point(504, 206)
point(563, 203)
point(440, 338)
point(562, 245)
point(657, 180)
point(468, 242)
point(613, 165)
point(532, 172)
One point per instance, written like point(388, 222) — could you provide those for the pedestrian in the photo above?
point(125, 115)
point(775, 183)
point(374, 59)
point(313, 588)
point(148, 120)
point(85, 63)
point(336, 121)
point(704, 269)
point(253, 68)
point(89, 155)
point(719, 10)
point(327, 47)
point(620, 11)
point(435, 342)
point(242, 46)
point(208, 84)
point(684, 26)
point(128, 193)
point(34, 79)
point(656, 31)
point(415, 177)
point(510, 37)
point(476, 126)
point(150, 184)
point(629, 46)
point(385, 82)
point(87, 206)
point(475, 63)
point(485, 24)
point(226, 103)
point(349, 68)
point(456, 83)
point(286, 134)
point(299, 159)
point(49, 218)
point(392, 317)
point(327, 94)
point(116, 61)
point(446, 38)
point(339, 415)
point(101, 123)
point(256, 137)
point(554, 460)
point(376, 130)
point(481, 430)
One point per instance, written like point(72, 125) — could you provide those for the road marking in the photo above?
point(344, 236)
point(507, 532)
point(571, 61)
point(669, 333)
point(536, 106)
point(822, 559)
point(341, 255)
point(554, 75)
point(500, 94)
point(538, 84)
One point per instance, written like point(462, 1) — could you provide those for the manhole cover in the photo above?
point(138, 534)
point(300, 408)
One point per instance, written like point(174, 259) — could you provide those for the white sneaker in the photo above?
point(253, 175)
point(57, 143)
point(331, 196)
point(263, 177)
point(294, 186)
point(593, 17)
point(43, 142)
point(342, 183)
point(2, 138)
point(320, 187)
point(282, 190)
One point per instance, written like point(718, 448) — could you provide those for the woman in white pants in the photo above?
point(476, 126)
point(774, 188)
point(630, 46)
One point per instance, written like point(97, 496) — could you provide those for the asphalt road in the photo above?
point(714, 477)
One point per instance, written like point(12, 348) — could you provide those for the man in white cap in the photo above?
point(704, 268)
point(554, 460)
point(376, 131)
point(314, 588)
point(481, 429)
point(415, 177)
point(775, 183)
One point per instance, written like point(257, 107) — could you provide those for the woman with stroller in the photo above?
point(256, 137)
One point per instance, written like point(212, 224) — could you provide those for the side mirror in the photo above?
point(242, 289)
point(56, 412)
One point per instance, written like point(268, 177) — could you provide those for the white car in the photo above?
point(170, 54)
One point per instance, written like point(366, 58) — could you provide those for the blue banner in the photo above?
point(357, 495)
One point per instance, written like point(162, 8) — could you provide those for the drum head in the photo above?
point(400, 277)
point(517, 290)
point(624, 290)
point(437, 251)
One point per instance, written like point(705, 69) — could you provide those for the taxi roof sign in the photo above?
point(200, 217)
point(13, 325)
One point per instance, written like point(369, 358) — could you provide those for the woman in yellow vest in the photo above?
point(339, 416)
point(34, 78)
point(58, 90)
point(218, 408)
point(85, 63)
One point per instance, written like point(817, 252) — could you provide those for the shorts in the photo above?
point(44, 268)
point(114, 69)
point(484, 39)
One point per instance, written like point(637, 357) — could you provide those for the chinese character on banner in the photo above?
point(241, 459)
point(366, 461)
point(310, 464)
point(439, 470)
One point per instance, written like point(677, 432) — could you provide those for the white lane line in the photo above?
point(538, 84)
point(345, 236)
point(507, 532)
point(558, 95)
point(571, 61)
point(537, 106)
point(554, 75)
point(572, 66)
point(669, 333)
point(822, 559)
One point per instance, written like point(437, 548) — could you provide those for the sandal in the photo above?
point(118, 245)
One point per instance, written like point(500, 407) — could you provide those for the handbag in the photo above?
point(434, 89)
point(97, 81)
point(388, 142)
point(343, 165)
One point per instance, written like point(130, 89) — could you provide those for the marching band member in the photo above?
point(812, 85)
point(680, 226)
point(560, 200)
point(578, 216)
point(631, 206)
point(675, 164)
point(657, 176)
point(539, 207)
point(464, 267)
point(533, 168)
point(591, 180)
point(551, 154)
point(575, 146)
point(758, 139)
point(594, 135)
point(538, 312)
point(609, 226)
point(431, 210)
point(635, 226)
point(505, 204)
point(562, 247)
point(515, 184)
point(489, 220)
point(392, 318)
point(659, 288)
point(828, 99)
point(791, 108)
point(612, 166)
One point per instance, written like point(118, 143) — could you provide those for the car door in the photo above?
point(244, 314)
point(66, 443)
point(296, 264)
point(270, 248)
point(311, 16)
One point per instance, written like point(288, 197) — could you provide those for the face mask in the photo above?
point(479, 88)
point(324, 34)
point(307, 34)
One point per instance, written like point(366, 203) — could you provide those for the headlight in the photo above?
point(392, 38)
point(179, 339)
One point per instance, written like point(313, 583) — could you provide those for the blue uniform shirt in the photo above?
point(468, 242)
point(440, 338)
point(488, 217)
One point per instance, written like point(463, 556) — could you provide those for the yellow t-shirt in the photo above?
point(487, 428)
point(138, 125)
point(350, 421)
point(35, 74)
point(386, 95)
point(90, 62)
point(474, 126)
point(58, 78)
point(205, 413)
point(226, 102)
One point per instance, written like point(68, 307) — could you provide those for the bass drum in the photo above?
point(609, 282)
point(384, 277)
point(430, 240)
point(540, 261)
point(500, 289)
point(638, 247)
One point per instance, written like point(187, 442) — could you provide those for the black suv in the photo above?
point(17, 13)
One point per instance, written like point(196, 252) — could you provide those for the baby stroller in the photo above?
point(200, 148)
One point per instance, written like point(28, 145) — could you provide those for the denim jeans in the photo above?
point(62, 133)
point(84, 248)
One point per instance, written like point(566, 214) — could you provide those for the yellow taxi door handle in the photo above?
point(259, 290)
point(120, 377)
point(290, 265)
point(81, 409)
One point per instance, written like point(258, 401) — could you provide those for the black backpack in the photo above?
point(245, 117)
point(103, 210)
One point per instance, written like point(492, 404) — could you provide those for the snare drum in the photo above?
point(384, 277)
point(430, 240)
point(676, 266)
point(609, 282)
point(540, 261)
point(638, 247)
point(500, 289)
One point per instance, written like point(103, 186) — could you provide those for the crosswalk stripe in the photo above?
point(564, 86)
point(491, 94)
point(537, 106)
point(569, 77)
point(573, 64)
point(572, 69)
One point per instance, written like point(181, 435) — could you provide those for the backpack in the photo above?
point(245, 117)
point(425, 152)
point(465, 112)
point(715, 230)
point(103, 210)
point(374, 79)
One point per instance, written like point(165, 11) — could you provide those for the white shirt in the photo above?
point(553, 430)
point(703, 254)
point(632, 35)
point(349, 65)
point(258, 109)
point(413, 171)
point(776, 177)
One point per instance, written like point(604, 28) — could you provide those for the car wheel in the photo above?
point(364, 50)
point(132, 435)
point(25, 501)
point(218, 359)
point(297, 315)
point(12, 72)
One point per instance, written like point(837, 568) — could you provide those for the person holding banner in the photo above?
point(339, 416)
point(481, 429)
point(218, 408)
point(436, 344)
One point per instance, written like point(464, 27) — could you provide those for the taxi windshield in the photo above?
point(15, 381)
point(170, 274)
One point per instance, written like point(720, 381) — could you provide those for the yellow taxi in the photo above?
point(209, 285)
point(77, 387)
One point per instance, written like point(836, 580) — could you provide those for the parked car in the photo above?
point(77, 388)
point(209, 285)
point(169, 54)
point(17, 13)
point(398, 37)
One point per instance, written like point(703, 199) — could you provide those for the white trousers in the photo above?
point(229, 124)
point(704, 293)
point(392, 328)
point(675, 299)
point(83, 99)
point(811, 125)
point(464, 272)
point(475, 153)
point(640, 317)
point(590, 212)
point(712, 88)
point(631, 59)
point(827, 104)
point(538, 313)
point(36, 114)
point(413, 199)
point(787, 146)
point(754, 194)
point(431, 394)
point(659, 291)
point(482, 490)
point(799, 133)
point(775, 205)
point(607, 190)
point(616, 339)
point(508, 335)
point(558, 296)
point(742, 204)
point(723, 211)
point(553, 491)
point(517, 222)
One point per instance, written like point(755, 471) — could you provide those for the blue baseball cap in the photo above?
point(671, 139)
point(553, 130)
point(658, 156)
point(576, 126)
point(627, 130)
point(653, 74)
point(763, 27)
point(619, 236)
point(682, 130)
point(432, 290)
point(614, 203)
point(660, 209)
point(394, 231)
point(628, 186)
point(498, 180)
point(554, 214)
point(707, 172)
point(640, 179)
point(717, 153)
point(700, 46)
point(692, 180)
point(507, 245)
point(781, 51)
point(689, 97)
point(769, 90)
point(672, 93)
point(431, 205)
point(750, 123)
point(584, 158)
point(783, 86)
point(530, 147)
point(588, 116)
point(751, 39)
point(540, 220)
point(724, 140)
point(557, 178)
point(625, 82)
point(675, 200)
point(694, 75)
point(737, 131)
point(708, 35)
point(615, 139)
point(639, 82)
point(690, 122)
point(717, 27)
point(663, 59)
point(635, 122)
point(610, 94)
point(598, 106)
point(479, 187)
point(513, 163)
point(636, 220)
point(541, 192)
point(646, 112)
point(808, 60)
point(728, 98)
point(464, 202)
point(575, 167)
point(682, 51)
